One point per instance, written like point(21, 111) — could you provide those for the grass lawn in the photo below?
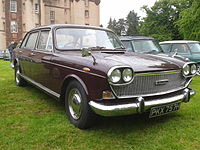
point(29, 119)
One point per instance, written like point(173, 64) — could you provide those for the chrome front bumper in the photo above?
point(140, 106)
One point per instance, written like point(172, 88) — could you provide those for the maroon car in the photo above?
point(88, 68)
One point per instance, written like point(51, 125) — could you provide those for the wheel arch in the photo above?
point(65, 83)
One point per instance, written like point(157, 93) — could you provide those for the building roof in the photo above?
point(130, 38)
point(70, 26)
point(178, 41)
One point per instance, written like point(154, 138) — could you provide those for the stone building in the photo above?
point(19, 16)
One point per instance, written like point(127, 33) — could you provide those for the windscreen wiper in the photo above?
point(97, 47)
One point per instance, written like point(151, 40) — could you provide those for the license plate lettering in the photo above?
point(165, 109)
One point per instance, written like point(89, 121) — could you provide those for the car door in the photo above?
point(182, 49)
point(41, 58)
point(25, 53)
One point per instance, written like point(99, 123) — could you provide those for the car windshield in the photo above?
point(146, 46)
point(72, 38)
point(195, 47)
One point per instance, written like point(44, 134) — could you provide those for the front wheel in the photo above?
point(77, 107)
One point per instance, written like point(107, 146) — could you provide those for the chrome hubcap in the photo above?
point(17, 76)
point(74, 103)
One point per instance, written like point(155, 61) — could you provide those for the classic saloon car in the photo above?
point(141, 44)
point(88, 68)
point(187, 49)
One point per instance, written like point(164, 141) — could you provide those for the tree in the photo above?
point(132, 23)
point(119, 27)
point(110, 24)
point(161, 19)
point(189, 23)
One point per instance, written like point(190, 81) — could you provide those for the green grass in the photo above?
point(29, 119)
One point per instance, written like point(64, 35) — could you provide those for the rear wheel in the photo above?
point(19, 81)
point(77, 107)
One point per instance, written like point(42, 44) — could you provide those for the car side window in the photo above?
point(180, 48)
point(128, 46)
point(32, 39)
point(165, 47)
point(24, 42)
point(44, 42)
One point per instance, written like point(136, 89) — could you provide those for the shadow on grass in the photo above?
point(128, 123)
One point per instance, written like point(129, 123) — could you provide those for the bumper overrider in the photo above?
point(142, 104)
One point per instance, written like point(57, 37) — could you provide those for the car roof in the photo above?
point(70, 26)
point(178, 41)
point(130, 38)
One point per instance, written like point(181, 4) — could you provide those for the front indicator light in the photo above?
point(107, 95)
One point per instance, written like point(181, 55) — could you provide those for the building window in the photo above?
point(86, 2)
point(37, 8)
point(13, 27)
point(65, 2)
point(23, 8)
point(65, 12)
point(3, 5)
point(13, 6)
point(87, 13)
point(52, 15)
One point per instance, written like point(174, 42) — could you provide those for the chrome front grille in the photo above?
point(152, 84)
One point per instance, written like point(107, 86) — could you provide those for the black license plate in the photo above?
point(164, 109)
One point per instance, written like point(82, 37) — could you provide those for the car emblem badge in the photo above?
point(162, 82)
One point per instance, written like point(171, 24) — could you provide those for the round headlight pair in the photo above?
point(190, 70)
point(121, 74)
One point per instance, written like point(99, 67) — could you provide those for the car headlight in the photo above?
point(127, 75)
point(115, 76)
point(186, 70)
point(193, 69)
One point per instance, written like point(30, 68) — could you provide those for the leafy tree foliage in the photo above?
point(161, 18)
point(128, 26)
point(132, 23)
point(113, 26)
point(189, 23)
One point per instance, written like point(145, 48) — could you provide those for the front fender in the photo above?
point(73, 76)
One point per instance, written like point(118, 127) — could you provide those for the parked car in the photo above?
point(1, 54)
point(141, 44)
point(6, 55)
point(187, 49)
point(87, 68)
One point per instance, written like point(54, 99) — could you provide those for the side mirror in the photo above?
point(86, 52)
